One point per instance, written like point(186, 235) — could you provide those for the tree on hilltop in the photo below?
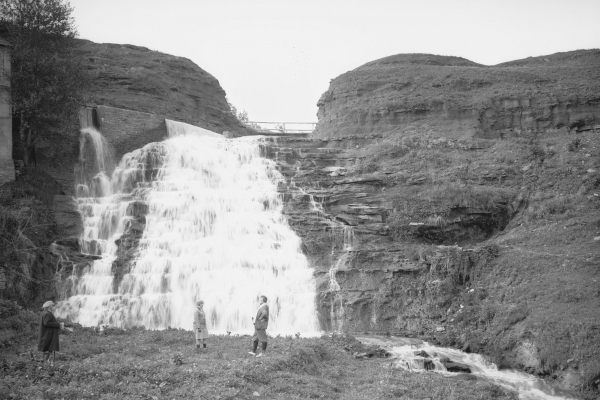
point(242, 116)
point(47, 78)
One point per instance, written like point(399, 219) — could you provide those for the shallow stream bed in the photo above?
point(419, 356)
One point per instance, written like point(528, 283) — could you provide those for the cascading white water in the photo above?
point(337, 300)
point(343, 241)
point(404, 351)
point(214, 231)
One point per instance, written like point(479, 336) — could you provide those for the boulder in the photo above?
point(422, 353)
point(452, 366)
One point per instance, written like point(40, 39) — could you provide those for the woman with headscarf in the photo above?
point(200, 325)
point(49, 328)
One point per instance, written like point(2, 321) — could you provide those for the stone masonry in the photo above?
point(127, 130)
point(7, 167)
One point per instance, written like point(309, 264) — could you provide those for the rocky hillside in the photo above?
point(37, 210)
point(458, 98)
point(136, 78)
point(461, 202)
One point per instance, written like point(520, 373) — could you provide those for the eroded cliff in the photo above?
point(472, 198)
point(458, 98)
point(144, 81)
point(136, 78)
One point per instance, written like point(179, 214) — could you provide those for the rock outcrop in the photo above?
point(488, 247)
point(136, 78)
point(443, 198)
point(458, 98)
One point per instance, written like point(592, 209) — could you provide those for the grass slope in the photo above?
point(536, 304)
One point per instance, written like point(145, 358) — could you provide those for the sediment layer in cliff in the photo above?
point(457, 98)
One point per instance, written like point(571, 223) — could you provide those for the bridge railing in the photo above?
point(284, 128)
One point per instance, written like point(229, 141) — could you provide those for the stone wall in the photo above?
point(127, 130)
point(7, 168)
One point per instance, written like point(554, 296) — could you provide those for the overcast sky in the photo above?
point(275, 58)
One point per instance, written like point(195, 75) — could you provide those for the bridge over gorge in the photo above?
point(283, 128)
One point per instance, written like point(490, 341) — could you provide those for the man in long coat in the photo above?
point(49, 328)
point(260, 327)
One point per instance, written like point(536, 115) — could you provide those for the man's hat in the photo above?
point(48, 304)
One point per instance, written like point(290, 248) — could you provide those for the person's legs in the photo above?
point(254, 343)
point(45, 357)
point(262, 337)
point(264, 349)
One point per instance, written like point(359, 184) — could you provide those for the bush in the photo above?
point(574, 144)
point(8, 309)
point(16, 323)
point(537, 153)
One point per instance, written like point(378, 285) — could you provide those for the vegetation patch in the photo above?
point(109, 364)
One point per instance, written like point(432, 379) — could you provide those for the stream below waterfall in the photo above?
point(404, 352)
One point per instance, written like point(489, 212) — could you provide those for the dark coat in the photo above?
point(262, 317)
point(199, 319)
point(49, 328)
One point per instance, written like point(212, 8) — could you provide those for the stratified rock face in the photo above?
point(136, 78)
point(471, 196)
point(458, 98)
point(482, 244)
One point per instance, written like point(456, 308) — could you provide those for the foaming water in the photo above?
point(337, 300)
point(403, 349)
point(214, 231)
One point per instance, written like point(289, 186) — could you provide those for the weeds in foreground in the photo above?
point(130, 365)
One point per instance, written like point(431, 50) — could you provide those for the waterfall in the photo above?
point(214, 231)
point(337, 299)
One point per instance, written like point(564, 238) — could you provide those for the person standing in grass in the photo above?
point(260, 327)
point(49, 330)
point(200, 325)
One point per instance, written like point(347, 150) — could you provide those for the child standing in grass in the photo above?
point(260, 327)
point(200, 325)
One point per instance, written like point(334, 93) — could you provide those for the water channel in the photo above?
point(408, 354)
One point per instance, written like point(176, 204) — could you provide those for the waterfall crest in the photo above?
point(214, 231)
